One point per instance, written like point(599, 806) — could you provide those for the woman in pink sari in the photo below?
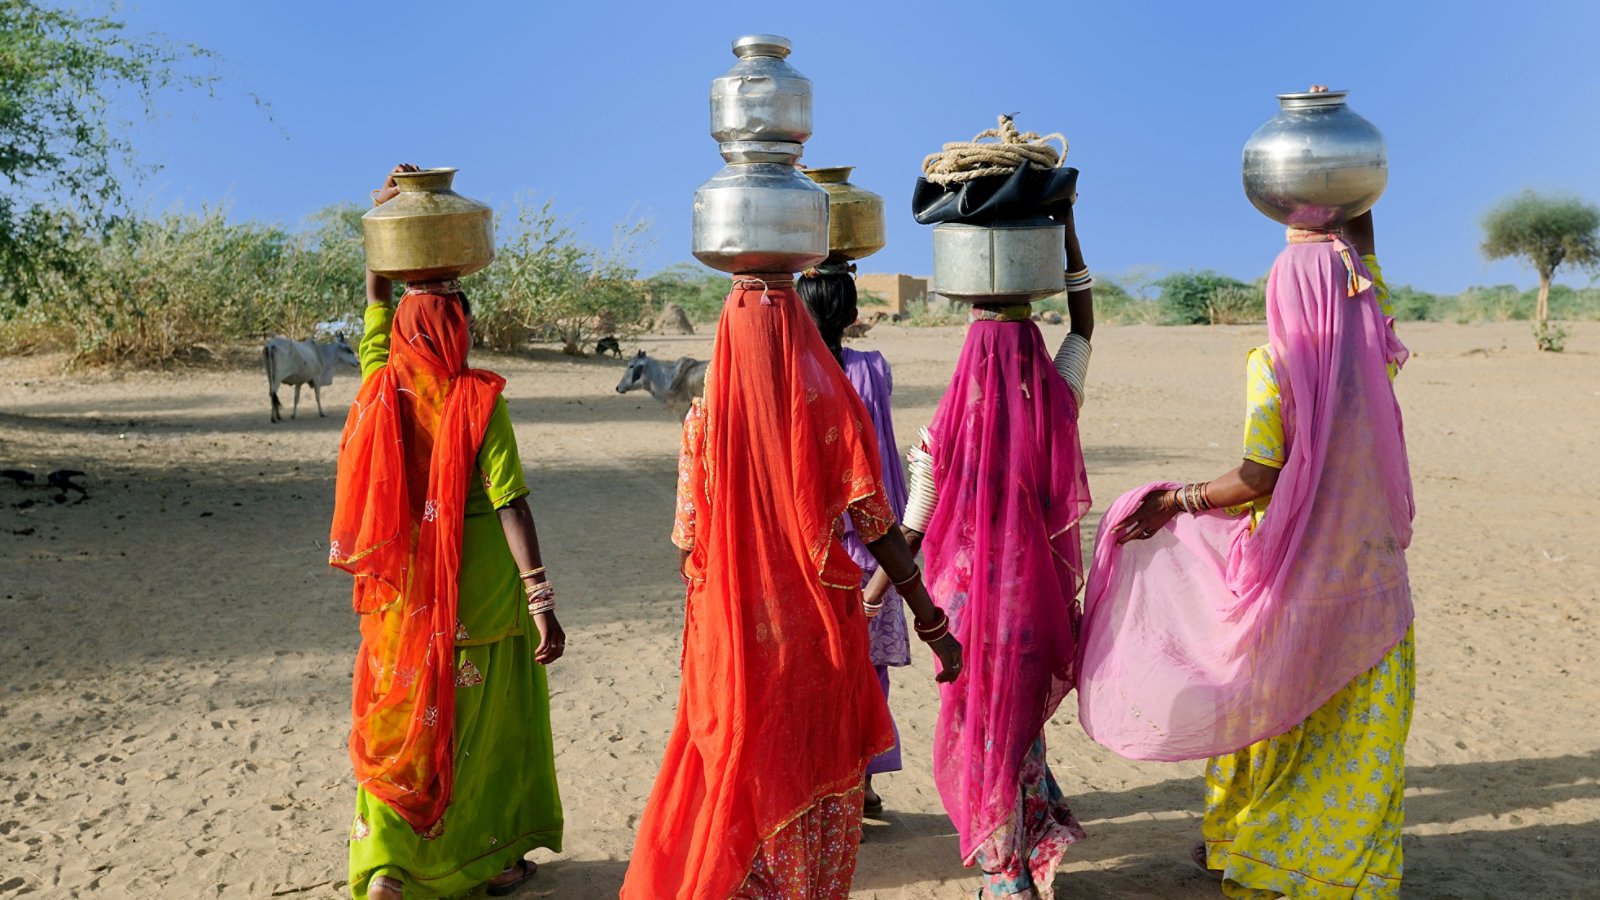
point(1277, 640)
point(998, 488)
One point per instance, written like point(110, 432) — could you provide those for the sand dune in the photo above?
point(174, 699)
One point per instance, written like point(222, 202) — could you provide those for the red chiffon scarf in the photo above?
point(410, 445)
point(779, 706)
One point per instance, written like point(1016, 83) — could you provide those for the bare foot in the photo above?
point(871, 803)
point(382, 887)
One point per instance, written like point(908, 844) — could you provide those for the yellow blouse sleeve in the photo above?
point(1263, 425)
point(374, 349)
point(683, 519)
point(498, 460)
point(1379, 288)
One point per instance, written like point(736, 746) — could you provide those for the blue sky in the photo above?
point(601, 107)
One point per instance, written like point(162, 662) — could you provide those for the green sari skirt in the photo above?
point(505, 800)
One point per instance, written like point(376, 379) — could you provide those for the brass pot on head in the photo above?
point(427, 231)
point(855, 215)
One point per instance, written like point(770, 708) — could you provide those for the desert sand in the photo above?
point(174, 694)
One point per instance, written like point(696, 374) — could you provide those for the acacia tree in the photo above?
point(62, 75)
point(1547, 232)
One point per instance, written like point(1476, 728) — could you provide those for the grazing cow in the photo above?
point(608, 344)
point(300, 363)
point(674, 385)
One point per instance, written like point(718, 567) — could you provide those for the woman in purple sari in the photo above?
point(997, 490)
point(829, 292)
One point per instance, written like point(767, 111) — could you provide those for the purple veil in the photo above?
point(1209, 637)
point(1003, 555)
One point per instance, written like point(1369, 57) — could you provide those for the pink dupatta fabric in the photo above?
point(1003, 555)
point(1209, 637)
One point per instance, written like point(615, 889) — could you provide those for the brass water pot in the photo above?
point(427, 231)
point(855, 216)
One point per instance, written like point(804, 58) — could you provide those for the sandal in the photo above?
point(393, 886)
point(526, 869)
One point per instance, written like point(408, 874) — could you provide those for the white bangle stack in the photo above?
point(1072, 363)
point(924, 497)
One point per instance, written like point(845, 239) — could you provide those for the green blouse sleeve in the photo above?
point(374, 349)
point(498, 459)
point(1263, 424)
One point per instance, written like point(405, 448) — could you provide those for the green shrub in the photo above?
point(1187, 298)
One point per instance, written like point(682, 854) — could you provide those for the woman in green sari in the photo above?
point(457, 616)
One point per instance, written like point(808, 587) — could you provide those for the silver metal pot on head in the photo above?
point(1316, 164)
point(762, 98)
point(760, 217)
point(760, 214)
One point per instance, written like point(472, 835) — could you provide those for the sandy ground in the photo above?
point(174, 694)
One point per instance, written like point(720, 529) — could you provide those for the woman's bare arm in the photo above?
point(522, 537)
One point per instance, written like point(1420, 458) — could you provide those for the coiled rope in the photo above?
point(962, 161)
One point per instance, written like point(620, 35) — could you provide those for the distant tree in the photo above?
point(1547, 232)
point(61, 75)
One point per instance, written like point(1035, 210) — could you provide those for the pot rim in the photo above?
point(1312, 99)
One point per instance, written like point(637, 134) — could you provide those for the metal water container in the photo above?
point(762, 98)
point(428, 231)
point(1316, 164)
point(855, 215)
point(999, 264)
point(760, 217)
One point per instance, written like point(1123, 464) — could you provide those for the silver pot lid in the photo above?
point(762, 45)
point(1312, 100)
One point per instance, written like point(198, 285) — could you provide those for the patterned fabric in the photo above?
point(869, 374)
point(406, 463)
point(1024, 852)
point(1215, 633)
point(811, 858)
point(1016, 312)
point(1282, 815)
point(1316, 812)
point(1263, 424)
point(504, 799)
point(1004, 560)
point(778, 708)
point(888, 760)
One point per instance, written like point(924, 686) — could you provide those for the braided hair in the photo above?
point(831, 300)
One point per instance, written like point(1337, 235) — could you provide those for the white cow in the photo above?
point(300, 363)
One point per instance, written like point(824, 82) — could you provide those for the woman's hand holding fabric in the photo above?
point(1158, 508)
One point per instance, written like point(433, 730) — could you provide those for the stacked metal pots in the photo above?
point(759, 214)
point(428, 231)
point(1316, 164)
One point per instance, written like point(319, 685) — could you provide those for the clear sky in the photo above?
point(602, 107)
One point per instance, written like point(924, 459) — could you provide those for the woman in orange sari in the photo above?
point(779, 711)
point(451, 739)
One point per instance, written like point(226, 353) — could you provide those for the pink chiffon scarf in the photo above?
point(1208, 636)
point(1003, 557)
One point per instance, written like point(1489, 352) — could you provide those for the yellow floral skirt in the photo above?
point(1317, 811)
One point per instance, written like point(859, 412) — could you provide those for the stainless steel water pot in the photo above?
point(762, 98)
point(1316, 164)
point(760, 217)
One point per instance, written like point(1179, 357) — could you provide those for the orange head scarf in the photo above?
point(409, 447)
point(779, 706)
